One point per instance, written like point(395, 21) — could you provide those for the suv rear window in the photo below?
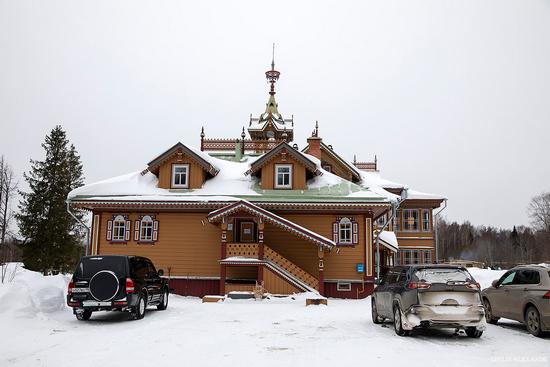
point(442, 275)
point(89, 266)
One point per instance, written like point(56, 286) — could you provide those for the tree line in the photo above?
point(495, 246)
point(50, 240)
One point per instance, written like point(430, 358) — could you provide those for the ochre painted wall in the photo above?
point(196, 172)
point(191, 248)
point(276, 285)
point(298, 174)
point(339, 264)
point(184, 243)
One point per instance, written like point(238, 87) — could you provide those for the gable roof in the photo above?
point(327, 149)
point(182, 148)
point(268, 216)
point(284, 146)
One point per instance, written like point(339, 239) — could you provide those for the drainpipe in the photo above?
point(394, 206)
point(436, 216)
point(82, 224)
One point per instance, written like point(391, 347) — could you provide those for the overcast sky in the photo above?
point(453, 96)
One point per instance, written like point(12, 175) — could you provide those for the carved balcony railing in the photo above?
point(249, 250)
point(245, 145)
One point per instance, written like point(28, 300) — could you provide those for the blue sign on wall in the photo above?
point(360, 268)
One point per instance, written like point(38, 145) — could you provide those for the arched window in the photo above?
point(345, 231)
point(146, 229)
point(118, 228)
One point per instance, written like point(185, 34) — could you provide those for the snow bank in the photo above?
point(30, 293)
point(485, 276)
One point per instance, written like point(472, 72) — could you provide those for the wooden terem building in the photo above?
point(258, 209)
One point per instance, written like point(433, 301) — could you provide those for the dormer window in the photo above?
point(283, 176)
point(180, 176)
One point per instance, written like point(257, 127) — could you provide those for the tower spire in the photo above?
point(272, 75)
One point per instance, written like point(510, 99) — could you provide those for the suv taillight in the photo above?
point(70, 288)
point(129, 285)
point(474, 286)
point(546, 296)
point(418, 285)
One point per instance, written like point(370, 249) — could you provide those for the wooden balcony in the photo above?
point(249, 250)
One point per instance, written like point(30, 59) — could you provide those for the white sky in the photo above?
point(453, 96)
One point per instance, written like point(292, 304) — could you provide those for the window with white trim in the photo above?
point(410, 220)
point(426, 225)
point(415, 257)
point(396, 221)
point(146, 230)
point(180, 176)
point(343, 286)
point(345, 231)
point(283, 176)
point(119, 228)
point(427, 257)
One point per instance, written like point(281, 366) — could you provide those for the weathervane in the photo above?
point(272, 75)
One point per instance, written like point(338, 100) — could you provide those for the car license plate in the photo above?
point(95, 303)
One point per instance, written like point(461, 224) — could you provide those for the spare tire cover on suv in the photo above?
point(104, 285)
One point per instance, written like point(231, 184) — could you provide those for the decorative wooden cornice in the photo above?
point(268, 216)
point(180, 149)
point(283, 149)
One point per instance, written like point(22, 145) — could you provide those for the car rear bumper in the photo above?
point(444, 317)
point(93, 305)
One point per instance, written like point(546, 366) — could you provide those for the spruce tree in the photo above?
point(52, 236)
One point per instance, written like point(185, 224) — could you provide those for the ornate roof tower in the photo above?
point(271, 125)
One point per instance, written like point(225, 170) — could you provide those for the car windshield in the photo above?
point(89, 266)
point(442, 275)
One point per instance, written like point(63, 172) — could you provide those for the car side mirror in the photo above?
point(160, 272)
point(495, 283)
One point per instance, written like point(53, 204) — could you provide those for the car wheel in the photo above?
point(139, 310)
point(163, 305)
point(473, 332)
point(489, 312)
point(398, 323)
point(374, 312)
point(84, 316)
point(533, 322)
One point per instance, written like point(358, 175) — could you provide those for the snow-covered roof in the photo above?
point(389, 240)
point(230, 184)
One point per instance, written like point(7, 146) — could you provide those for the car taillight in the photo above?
point(418, 285)
point(546, 296)
point(70, 288)
point(474, 286)
point(129, 285)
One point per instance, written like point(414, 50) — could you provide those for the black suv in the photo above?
point(116, 283)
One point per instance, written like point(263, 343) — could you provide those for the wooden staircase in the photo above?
point(290, 271)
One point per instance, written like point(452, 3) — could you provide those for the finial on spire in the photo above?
point(315, 132)
point(202, 132)
point(273, 58)
point(354, 159)
point(272, 75)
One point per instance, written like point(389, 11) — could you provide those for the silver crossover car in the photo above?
point(522, 294)
point(423, 296)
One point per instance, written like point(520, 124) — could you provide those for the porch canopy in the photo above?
point(285, 224)
point(389, 240)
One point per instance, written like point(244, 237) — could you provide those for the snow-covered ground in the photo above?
point(38, 330)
